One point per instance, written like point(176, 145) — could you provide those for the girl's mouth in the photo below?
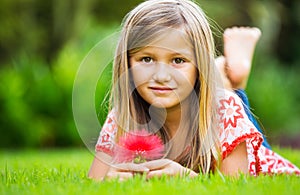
point(161, 90)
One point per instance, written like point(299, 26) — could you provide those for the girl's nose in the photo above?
point(161, 73)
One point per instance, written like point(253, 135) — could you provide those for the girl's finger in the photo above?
point(120, 175)
point(159, 173)
point(157, 164)
point(131, 167)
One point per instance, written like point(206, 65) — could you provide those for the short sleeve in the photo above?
point(106, 138)
point(235, 128)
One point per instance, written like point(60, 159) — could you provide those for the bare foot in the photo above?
point(220, 64)
point(239, 45)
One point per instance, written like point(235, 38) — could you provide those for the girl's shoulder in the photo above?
point(234, 127)
point(232, 116)
point(224, 93)
point(230, 109)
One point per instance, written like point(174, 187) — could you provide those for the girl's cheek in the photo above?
point(141, 74)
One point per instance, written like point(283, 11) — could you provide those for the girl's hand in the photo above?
point(125, 171)
point(161, 167)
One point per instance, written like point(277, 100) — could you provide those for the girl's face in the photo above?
point(164, 72)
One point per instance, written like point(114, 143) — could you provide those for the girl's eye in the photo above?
point(178, 61)
point(147, 59)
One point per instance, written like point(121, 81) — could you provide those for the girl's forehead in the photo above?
point(173, 39)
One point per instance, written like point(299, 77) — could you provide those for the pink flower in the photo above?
point(138, 146)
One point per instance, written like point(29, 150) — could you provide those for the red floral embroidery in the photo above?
point(230, 112)
point(104, 148)
point(105, 138)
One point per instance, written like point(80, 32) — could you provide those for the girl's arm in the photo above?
point(236, 162)
point(98, 169)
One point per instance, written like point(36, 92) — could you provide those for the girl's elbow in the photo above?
point(93, 176)
point(98, 170)
point(237, 162)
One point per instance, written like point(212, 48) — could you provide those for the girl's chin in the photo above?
point(163, 105)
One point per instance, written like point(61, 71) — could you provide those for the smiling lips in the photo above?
point(161, 90)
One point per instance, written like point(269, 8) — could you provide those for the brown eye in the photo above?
point(178, 61)
point(147, 59)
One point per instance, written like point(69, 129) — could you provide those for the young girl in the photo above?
point(165, 81)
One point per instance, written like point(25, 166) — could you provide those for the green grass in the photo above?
point(64, 172)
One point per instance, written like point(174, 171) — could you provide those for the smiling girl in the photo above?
point(165, 81)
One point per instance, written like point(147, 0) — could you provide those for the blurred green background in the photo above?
point(42, 43)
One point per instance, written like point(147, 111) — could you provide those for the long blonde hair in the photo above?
point(141, 26)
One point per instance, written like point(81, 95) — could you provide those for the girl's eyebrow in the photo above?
point(141, 52)
point(183, 52)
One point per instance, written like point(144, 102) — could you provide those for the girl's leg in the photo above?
point(239, 45)
point(220, 63)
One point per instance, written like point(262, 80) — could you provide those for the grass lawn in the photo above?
point(64, 172)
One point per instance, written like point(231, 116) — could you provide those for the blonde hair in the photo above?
point(141, 26)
